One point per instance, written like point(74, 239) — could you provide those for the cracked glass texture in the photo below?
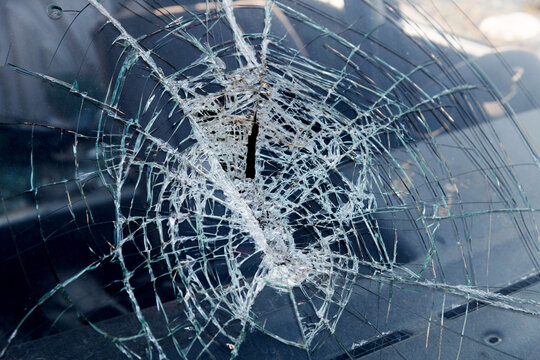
point(264, 179)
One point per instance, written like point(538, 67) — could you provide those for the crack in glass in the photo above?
point(207, 179)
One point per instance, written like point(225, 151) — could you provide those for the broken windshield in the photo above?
point(319, 179)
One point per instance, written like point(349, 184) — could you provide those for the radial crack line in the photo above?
point(246, 50)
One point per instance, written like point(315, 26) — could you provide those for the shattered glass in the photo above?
point(214, 179)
